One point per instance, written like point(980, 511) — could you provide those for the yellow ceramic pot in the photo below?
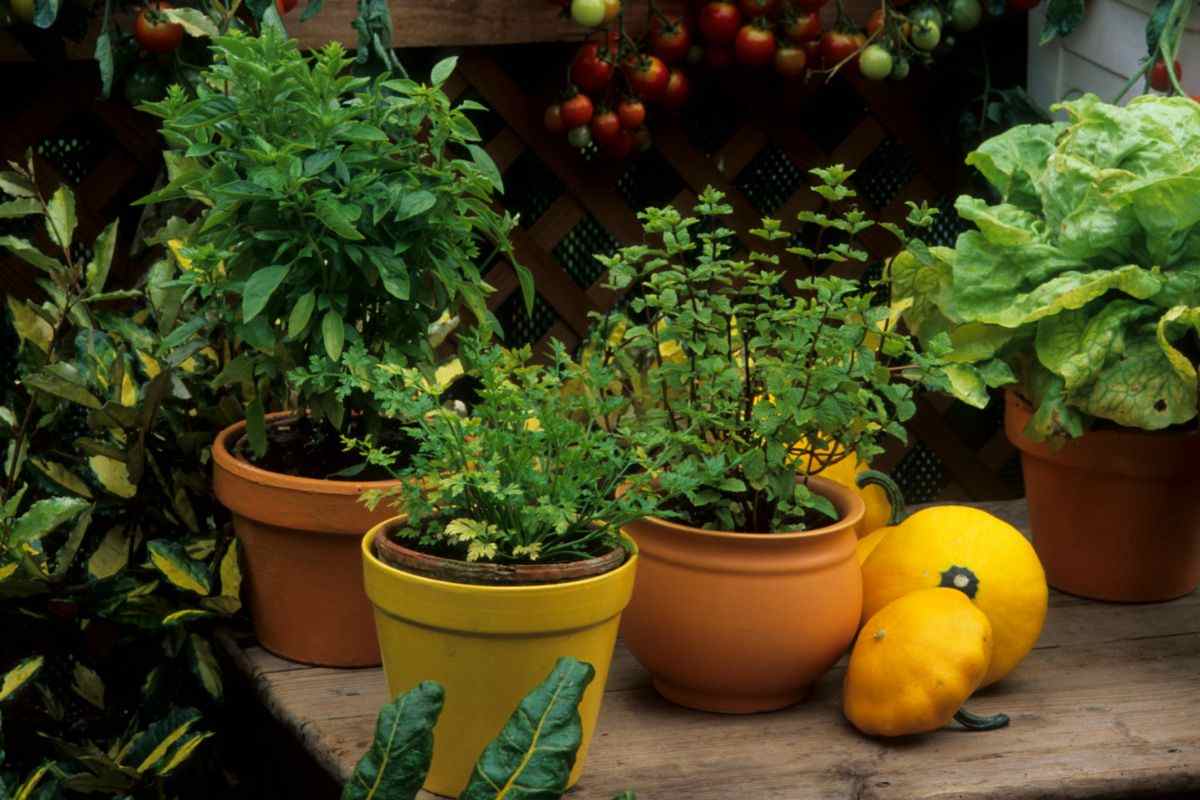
point(489, 646)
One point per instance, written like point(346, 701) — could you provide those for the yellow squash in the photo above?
point(916, 662)
point(967, 549)
point(868, 543)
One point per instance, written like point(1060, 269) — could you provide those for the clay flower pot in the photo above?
point(300, 546)
point(1115, 514)
point(744, 622)
point(489, 645)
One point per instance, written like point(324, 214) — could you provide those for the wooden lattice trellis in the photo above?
point(754, 139)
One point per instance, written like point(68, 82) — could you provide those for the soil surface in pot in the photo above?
point(408, 555)
point(685, 514)
point(305, 448)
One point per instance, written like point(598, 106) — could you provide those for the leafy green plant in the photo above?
point(532, 756)
point(343, 216)
point(739, 385)
point(111, 559)
point(1082, 285)
point(526, 475)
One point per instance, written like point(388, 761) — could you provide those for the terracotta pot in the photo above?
point(744, 622)
point(1115, 514)
point(490, 645)
point(300, 546)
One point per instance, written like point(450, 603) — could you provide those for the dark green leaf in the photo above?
point(301, 313)
point(334, 333)
point(259, 288)
point(339, 217)
point(395, 766)
point(532, 757)
point(45, 516)
point(59, 386)
point(21, 207)
point(312, 9)
point(102, 256)
point(1155, 25)
point(172, 560)
point(415, 203)
point(256, 427)
point(1062, 17)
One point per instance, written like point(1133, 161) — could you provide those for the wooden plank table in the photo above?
point(1105, 707)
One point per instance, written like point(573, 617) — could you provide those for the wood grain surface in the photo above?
point(1104, 707)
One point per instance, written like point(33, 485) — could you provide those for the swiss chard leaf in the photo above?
point(395, 766)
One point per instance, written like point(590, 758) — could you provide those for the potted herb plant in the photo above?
point(746, 389)
point(509, 554)
point(342, 217)
point(1079, 287)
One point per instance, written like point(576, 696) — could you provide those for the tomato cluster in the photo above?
point(614, 78)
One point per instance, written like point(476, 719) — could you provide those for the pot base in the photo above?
point(727, 703)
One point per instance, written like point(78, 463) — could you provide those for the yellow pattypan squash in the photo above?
point(914, 664)
point(967, 549)
point(868, 543)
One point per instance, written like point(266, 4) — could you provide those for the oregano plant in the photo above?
point(343, 216)
point(741, 381)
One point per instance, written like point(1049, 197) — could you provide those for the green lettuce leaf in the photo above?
point(1077, 345)
point(1012, 161)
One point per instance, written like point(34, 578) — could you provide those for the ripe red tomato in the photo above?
point(285, 6)
point(676, 93)
point(577, 111)
point(791, 62)
point(647, 76)
point(670, 40)
point(759, 8)
point(1159, 79)
point(811, 5)
point(719, 22)
point(593, 67)
point(619, 146)
point(605, 127)
point(802, 27)
point(837, 46)
point(755, 45)
point(157, 35)
point(553, 119)
point(632, 113)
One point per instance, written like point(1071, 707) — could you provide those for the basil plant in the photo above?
point(1080, 285)
point(342, 217)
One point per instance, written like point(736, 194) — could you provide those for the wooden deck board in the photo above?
point(1103, 708)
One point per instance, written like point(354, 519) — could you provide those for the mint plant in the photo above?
point(738, 383)
point(343, 216)
point(525, 476)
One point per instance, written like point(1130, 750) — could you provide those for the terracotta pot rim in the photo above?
point(414, 562)
point(368, 551)
point(834, 492)
point(224, 458)
point(1121, 432)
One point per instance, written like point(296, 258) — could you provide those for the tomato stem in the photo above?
point(975, 722)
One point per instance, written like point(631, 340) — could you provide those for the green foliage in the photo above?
point(526, 475)
point(342, 214)
point(531, 758)
point(110, 555)
point(738, 384)
point(1084, 279)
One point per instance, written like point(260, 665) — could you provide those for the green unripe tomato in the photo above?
point(900, 69)
point(588, 13)
point(875, 62)
point(579, 137)
point(926, 35)
point(965, 15)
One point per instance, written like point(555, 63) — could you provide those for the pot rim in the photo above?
point(851, 517)
point(382, 541)
point(224, 458)
point(368, 551)
point(1119, 432)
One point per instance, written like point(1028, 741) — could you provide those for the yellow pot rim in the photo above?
point(503, 610)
